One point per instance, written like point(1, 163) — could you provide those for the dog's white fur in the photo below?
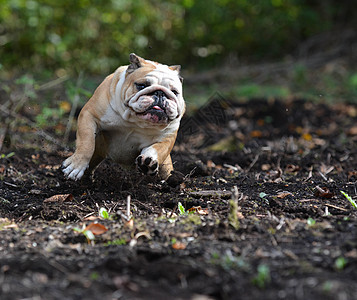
point(114, 122)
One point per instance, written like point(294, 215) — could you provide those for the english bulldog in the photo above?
point(132, 118)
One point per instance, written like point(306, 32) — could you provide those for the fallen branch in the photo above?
point(335, 207)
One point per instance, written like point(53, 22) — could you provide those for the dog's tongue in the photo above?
point(157, 107)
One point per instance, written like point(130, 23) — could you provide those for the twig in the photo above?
point(336, 207)
point(10, 184)
point(323, 176)
point(128, 199)
point(253, 162)
point(52, 83)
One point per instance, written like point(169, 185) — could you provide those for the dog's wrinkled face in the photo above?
point(153, 92)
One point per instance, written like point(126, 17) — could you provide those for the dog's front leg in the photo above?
point(75, 165)
point(156, 158)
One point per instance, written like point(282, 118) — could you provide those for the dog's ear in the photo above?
point(135, 62)
point(176, 68)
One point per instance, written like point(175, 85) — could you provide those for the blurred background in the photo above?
point(54, 53)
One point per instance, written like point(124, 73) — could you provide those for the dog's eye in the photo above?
point(141, 86)
point(175, 92)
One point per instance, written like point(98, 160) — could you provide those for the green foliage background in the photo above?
point(96, 36)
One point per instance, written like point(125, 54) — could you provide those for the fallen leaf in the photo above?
point(129, 224)
point(351, 254)
point(292, 169)
point(256, 134)
point(282, 195)
point(59, 198)
point(266, 167)
point(352, 131)
point(210, 164)
point(260, 122)
point(65, 106)
point(323, 192)
point(324, 169)
point(179, 246)
point(143, 233)
point(96, 228)
point(199, 210)
point(50, 167)
point(91, 218)
point(11, 226)
point(240, 215)
point(306, 136)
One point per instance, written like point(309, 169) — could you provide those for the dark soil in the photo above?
point(292, 236)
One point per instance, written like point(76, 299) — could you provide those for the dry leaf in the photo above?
point(13, 225)
point(324, 169)
point(240, 215)
point(266, 167)
point(323, 192)
point(292, 168)
point(50, 167)
point(96, 228)
point(129, 224)
point(306, 136)
point(210, 164)
point(352, 131)
point(256, 134)
point(179, 246)
point(59, 198)
point(143, 233)
point(199, 210)
point(282, 195)
point(91, 218)
point(65, 106)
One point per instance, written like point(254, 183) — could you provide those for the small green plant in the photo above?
point(340, 263)
point(311, 221)
point(103, 213)
point(349, 198)
point(327, 286)
point(181, 209)
point(87, 233)
point(7, 155)
point(49, 116)
point(262, 195)
point(117, 242)
point(262, 279)
point(94, 276)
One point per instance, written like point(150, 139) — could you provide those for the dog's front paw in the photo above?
point(74, 166)
point(147, 164)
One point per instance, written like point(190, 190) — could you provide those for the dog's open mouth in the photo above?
point(156, 113)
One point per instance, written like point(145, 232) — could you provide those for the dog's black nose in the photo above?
point(160, 97)
point(160, 94)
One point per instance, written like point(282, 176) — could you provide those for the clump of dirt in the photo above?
point(253, 210)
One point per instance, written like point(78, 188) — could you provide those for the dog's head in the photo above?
point(152, 92)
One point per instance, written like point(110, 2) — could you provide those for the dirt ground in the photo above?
point(262, 214)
